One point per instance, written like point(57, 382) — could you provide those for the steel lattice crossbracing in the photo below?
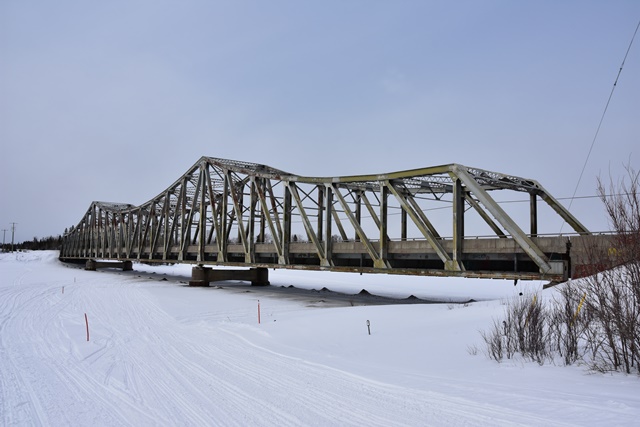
point(224, 212)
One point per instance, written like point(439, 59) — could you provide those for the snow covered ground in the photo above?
point(161, 353)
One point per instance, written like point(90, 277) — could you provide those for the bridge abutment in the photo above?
point(203, 276)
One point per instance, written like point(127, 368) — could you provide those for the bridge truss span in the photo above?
point(232, 213)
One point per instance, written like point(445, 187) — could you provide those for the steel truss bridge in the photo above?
point(231, 213)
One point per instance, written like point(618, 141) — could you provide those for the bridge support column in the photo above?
point(199, 276)
point(93, 265)
point(202, 276)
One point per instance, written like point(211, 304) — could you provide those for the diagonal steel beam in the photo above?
point(186, 227)
point(564, 213)
point(372, 211)
point(378, 262)
point(307, 224)
point(274, 207)
point(423, 217)
point(487, 218)
point(424, 229)
point(217, 222)
point(336, 219)
point(238, 212)
point(505, 220)
point(270, 222)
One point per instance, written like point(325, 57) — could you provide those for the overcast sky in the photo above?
point(113, 101)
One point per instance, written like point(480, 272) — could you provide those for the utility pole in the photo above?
point(13, 231)
point(4, 234)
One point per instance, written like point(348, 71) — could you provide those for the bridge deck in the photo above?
point(482, 257)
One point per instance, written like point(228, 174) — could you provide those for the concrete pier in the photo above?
point(93, 265)
point(202, 276)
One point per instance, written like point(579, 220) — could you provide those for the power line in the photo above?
point(574, 197)
point(604, 112)
point(498, 202)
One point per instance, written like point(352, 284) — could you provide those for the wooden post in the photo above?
point(86, 321)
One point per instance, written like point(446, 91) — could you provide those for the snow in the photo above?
point(162, 353)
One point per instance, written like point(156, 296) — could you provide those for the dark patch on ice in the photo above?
point(323, 298)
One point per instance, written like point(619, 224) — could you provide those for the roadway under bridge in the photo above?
point(232, 213)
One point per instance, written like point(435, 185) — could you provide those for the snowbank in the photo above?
point(162, 353)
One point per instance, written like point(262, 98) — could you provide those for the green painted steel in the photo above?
point(225, 212)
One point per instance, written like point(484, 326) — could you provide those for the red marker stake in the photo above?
point(87, 323)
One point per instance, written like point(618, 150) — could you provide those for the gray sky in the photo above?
point(113, 101)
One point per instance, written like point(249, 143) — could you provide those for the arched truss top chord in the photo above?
point(230, 212)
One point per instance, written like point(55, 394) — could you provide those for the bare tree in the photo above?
point(524, 330)
point(613, 295)
point(596, 319)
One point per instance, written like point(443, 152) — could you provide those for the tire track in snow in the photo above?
point(142, 366)
point(263, 380)
point(384, 404)
point(20, 404)
point(185, 384)
point(40, 393)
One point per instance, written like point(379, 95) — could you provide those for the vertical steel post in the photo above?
point(259, 182)
point(286, 224)
point(167, 230)
point(403, 225)
point(319, 231)
point(384, 245)
point(202, 220)
point(92, 233)
point(224, 205)
point(533, 204)
point(358, 213)
point(251, 233)
point(328, 238)
point(458, 221)
point(130, 235)
point(240, 214)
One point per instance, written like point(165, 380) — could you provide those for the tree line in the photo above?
point(46, 243)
